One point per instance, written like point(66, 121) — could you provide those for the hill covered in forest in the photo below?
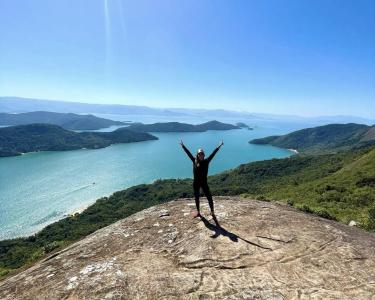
point(327, 138)
point(181, 127)
point(15, 140)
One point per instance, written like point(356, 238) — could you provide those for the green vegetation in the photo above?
point(243, 125)
point(65, 120)
point(181, 127)
point(328, 139)
point(16, 140)
point(337, 186)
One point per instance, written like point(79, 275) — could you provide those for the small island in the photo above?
point(181, 127)
point(243, 125)
point(16, 140)
point(68, 121)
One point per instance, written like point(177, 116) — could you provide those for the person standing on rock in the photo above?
point(200, 171)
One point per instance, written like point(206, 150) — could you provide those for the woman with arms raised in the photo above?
point(200, 171)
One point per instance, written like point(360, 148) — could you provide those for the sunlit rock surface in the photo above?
point(261, 251)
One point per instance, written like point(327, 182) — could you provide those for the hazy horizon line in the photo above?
point(372, 118)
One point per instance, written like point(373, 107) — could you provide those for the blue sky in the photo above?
point(276, 56)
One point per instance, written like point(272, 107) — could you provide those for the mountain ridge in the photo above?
point(181, 127)
point(21, 104)
point(68, 121)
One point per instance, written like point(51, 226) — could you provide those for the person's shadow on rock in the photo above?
point(219, 230)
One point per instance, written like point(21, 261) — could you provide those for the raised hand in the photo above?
point(181, 143)
point(221, 144)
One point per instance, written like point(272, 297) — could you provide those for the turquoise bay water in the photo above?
point(39, 188)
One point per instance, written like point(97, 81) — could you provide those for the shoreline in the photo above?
point(293, 150)
point(70, 213)
point(78, 210)
point(56, 151)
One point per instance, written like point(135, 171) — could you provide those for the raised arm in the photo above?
point(215, 151)
point(187, 151)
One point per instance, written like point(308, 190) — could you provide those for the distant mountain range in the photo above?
point(73, 121)
point(20, 105)
point(181, 127)
point(66, 120)
point(15, 140)
point(328, 138)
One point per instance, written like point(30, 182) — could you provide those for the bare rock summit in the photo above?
point(255, 250)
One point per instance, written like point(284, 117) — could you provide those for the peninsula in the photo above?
point(15, 140)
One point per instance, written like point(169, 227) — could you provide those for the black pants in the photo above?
point(206, 190)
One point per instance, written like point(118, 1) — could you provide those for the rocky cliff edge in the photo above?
point(256, 250)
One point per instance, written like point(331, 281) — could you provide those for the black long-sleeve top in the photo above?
point(200, 167)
